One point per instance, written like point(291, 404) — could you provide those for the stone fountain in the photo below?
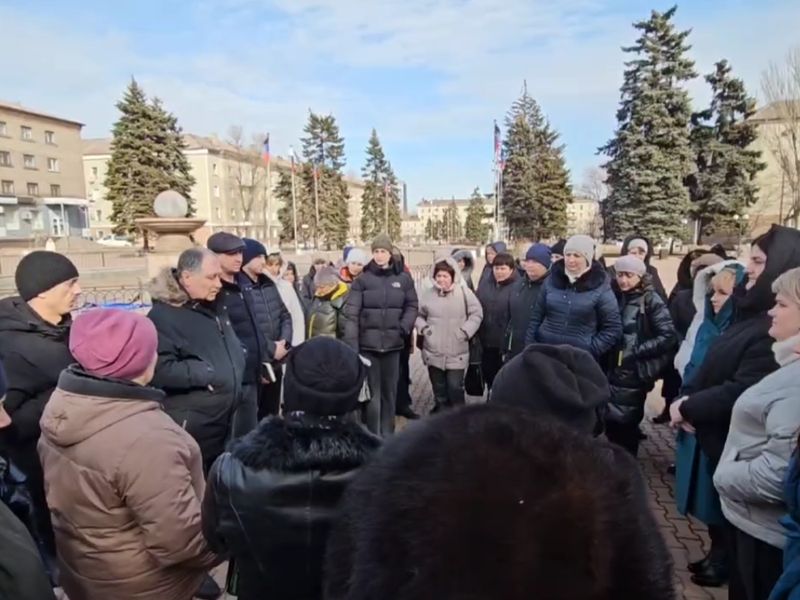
point(172, 229)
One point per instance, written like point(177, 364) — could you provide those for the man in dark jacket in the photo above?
point(34, 338)
point(273, 497)
point(495, 297)
point(263, 324)
point(641, 247)
point(523, 297)
point(200, 360)
point(381, 310)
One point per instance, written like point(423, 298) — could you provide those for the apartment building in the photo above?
point(433, 210)
point(583, 217)
point(41, 176)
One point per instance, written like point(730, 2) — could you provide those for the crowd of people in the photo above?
point(249, 417)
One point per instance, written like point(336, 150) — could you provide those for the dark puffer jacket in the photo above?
point(583, 314)
point(523, 299)
point(495, 299)
point(486, 273)
point(200, 364)
point(742, 356)
point(272, 499)
point(651, 270)
point(648, 340)
point(259, 319)
point(326, 314)
point(22, 575)
point(381, 309)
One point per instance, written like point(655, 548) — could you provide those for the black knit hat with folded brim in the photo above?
point(323, 377)
point(42, 270)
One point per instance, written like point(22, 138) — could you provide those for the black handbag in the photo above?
point(474, 383)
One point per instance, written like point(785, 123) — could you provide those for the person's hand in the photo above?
point(280, 350)
point(676, 418)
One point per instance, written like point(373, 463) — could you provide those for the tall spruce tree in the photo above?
point(650, 154)
point(381, 196)
point(722, 185)
point(476, 229)
point(146, 159)
point(536, 187)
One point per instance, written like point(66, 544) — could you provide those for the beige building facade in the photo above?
point(223, 189)
point(41, 178)
point(433, 210)
point(583, 217)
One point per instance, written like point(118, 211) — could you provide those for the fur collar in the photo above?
point(164, 287)
point(297, 443)
point(592, 279)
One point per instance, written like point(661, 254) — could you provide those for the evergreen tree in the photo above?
point(536, 187)
point(146, 159)
point(452, 227)
point(323, 150)
point(381, 196)
point(476, 230)
point(650, 154)
point(722, 184)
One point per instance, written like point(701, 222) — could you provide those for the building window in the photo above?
point(50, 138)
point(213, 168)
point(5, 158)
point(216, 191)
point(33, 189)
point(98, 215)
point(52, 165)
point(7, 188)
point(26, 133)
point(29, 160)
point(3, 129)
point(233, 213)
point(218, 213)
point(55, 190)
point(94, 171)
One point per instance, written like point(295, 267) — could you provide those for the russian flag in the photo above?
point(265, 151)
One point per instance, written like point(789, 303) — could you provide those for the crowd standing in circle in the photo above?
point(281, 391)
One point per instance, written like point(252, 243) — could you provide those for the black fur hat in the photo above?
point(490, 502)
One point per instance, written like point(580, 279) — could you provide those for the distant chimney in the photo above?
point(405, 198)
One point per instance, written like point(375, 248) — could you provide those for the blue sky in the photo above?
point(429, 75)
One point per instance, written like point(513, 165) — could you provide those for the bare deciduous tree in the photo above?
point(780, 84)
point(249, 177)
point(594, 187)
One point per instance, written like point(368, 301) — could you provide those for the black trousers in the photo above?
point(382, 379)
point(269, 397)
point(403, 401)
point(755, 567)
point(448, 387)
point(245, 413)
point(491, 361)
point(625, 435)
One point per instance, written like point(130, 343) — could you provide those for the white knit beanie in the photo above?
point(581, 244)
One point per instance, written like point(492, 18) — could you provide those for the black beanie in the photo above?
point(42, 270)
point(560, 381)
point(323, 377)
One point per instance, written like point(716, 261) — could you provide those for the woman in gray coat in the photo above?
point(449, 315)
point(762, 436)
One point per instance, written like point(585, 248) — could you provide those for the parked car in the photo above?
point(116, 241)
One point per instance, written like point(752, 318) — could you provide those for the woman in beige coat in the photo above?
point(449, 315)
point(124, 483)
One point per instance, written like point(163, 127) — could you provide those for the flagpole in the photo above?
point(316, 208)
point(294, 205)
point(496, 203)
point(268, 204)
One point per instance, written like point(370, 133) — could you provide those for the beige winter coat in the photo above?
point(124, 484)
point(447, 321)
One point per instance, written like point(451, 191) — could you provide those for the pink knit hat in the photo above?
point(113, 343)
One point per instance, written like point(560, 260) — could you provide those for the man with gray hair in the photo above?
point(200, 360)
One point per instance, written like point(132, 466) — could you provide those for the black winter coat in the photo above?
point(651, 270)
point(583, 314)
point(523, 299)
point(272, 498)
point(200, 364)
point(495, 299)
point(258, 317)
point(648, 341)
point(326, 315)
point(381, 310)
point(22, 574)
point(742, 355)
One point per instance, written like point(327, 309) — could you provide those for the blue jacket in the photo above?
point(788, 586)
point(583, 314)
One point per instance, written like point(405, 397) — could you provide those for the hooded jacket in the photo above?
point(523, 300)
point(381, 309)
point(200, 364)
point(447, 321)
point(583, 314)
point(326, 314)
point(469, 266)
point(495, 298)
point(22, 575)
point(742, 355)
point(486, 273)
point(272, 499)
point(648, 339)
point(290, 296)
point(651, 270)
point(125, 486)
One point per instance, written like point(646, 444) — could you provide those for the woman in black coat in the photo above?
point(739, 358)
point(273, 497)
point(648, 338)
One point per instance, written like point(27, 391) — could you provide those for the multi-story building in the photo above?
point(433, 210)
point(583, 217)
point(41, 178)
point(222, 191)
point(412, 229)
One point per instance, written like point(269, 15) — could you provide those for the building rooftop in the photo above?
point(777, 111)
point(16, 107)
